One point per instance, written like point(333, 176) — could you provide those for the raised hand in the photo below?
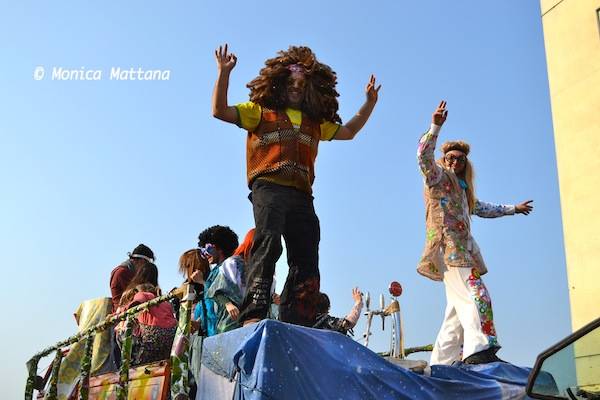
point(372, 91)
point(440, 114)
point(225, 61)
point(524, 208)
point(356, 295)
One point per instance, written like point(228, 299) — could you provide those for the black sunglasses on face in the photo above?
point(451, 157)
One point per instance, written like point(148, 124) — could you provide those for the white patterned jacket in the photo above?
point(448, 223)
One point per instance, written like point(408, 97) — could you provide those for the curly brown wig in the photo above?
point(320, 103)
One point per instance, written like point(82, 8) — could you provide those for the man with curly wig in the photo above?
point(451, 254)
point(293, 105)
point(222, 296)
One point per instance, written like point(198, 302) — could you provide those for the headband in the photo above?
point(141, 256)
point(296, 69)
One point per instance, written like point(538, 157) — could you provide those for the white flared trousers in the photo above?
point(468, 325)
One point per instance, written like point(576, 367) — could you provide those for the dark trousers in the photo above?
point(288, 212)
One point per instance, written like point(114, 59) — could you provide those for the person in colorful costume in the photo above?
point(222, 296)
point(451, 254)
point(293, 105)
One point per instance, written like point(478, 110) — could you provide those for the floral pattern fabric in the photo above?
point(489, 210)
point(448, 222)
point(482, 300)
point(150, 343)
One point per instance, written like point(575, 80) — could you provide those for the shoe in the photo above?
point(498, 359)
point(484, 357)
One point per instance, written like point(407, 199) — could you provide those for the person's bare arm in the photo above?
point(354, 314)
point(352, 127)
point(225, 64)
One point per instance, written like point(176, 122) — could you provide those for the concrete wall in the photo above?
point(572, 41)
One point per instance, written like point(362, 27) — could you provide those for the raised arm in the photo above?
point(490, 210)
point(354, 314)
point(225, 64)
point(432, 172)
point(351, 128)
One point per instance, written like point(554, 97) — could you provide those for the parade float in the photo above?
point(267, 360)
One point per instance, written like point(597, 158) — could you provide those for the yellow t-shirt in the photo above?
point(249, 117)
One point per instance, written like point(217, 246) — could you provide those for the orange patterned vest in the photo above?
point(277, 152)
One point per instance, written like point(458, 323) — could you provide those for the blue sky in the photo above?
point(92, 168)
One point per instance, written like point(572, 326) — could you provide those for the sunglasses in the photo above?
point(453, 158)
point(208, 250)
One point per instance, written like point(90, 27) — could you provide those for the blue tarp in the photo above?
point(274, 360)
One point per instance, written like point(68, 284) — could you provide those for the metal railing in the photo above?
point(179, 385)
point(397, 349)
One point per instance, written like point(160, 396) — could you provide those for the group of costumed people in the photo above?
point(293, 106)
point(217, 271)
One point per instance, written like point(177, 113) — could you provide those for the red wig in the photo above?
point(245, 247)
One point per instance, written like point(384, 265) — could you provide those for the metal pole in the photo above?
point(401, 323)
